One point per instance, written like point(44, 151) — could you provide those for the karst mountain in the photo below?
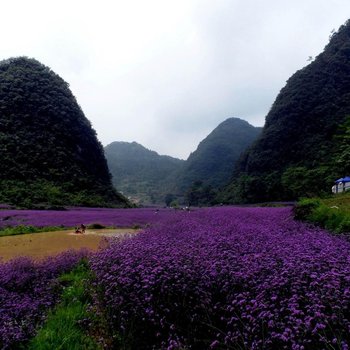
point(49, 153)
point(148, 178)
point(303, 147)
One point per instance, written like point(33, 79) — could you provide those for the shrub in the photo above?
point(318, 212)
point(305, 207)
point(96, 226)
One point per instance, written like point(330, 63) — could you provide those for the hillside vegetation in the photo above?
point(302, 148)
point(332, 213)
point(49, 153)
point(148, 178)
point(211, 165)
point(141, 174)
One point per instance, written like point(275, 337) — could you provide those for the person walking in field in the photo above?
point(82, 228)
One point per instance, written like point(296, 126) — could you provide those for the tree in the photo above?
point(342, 159)
point(200, 194)
point(169, 197)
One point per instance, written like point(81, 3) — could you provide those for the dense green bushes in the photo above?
point(333, 218)
point(44, 194)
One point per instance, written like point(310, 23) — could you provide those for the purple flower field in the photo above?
point(216, 278)
point(73, 217)
point(27, 291)
point(228, 278)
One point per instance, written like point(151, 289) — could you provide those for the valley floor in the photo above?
point(212, 278)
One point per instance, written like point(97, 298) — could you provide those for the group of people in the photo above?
point(80, 229)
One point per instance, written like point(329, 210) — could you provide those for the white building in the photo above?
point(341, 185)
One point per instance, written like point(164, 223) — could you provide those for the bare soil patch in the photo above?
point(41, 245)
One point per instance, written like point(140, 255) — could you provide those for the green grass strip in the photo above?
point(23, 229)
point(331, 213)
point(63, 329)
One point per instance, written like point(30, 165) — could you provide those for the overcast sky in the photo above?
point(166, 73)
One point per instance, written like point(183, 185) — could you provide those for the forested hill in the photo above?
point(297, 153)
point(212, 163)
point(49, 153)
point(140, 173)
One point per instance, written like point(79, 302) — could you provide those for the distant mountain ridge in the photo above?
point(141, 174)
point(297, 151)
point(145, 176)
point(49, 153)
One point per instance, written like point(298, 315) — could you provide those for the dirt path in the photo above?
point(44, 244)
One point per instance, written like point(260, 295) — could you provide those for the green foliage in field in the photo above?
point(331, 213)
point(340, 200)
point(49, 152)
point(65, 327)
point(304, 145)
point(22, 229)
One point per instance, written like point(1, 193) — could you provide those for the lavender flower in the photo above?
point(27, 291)
point(249, 278)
